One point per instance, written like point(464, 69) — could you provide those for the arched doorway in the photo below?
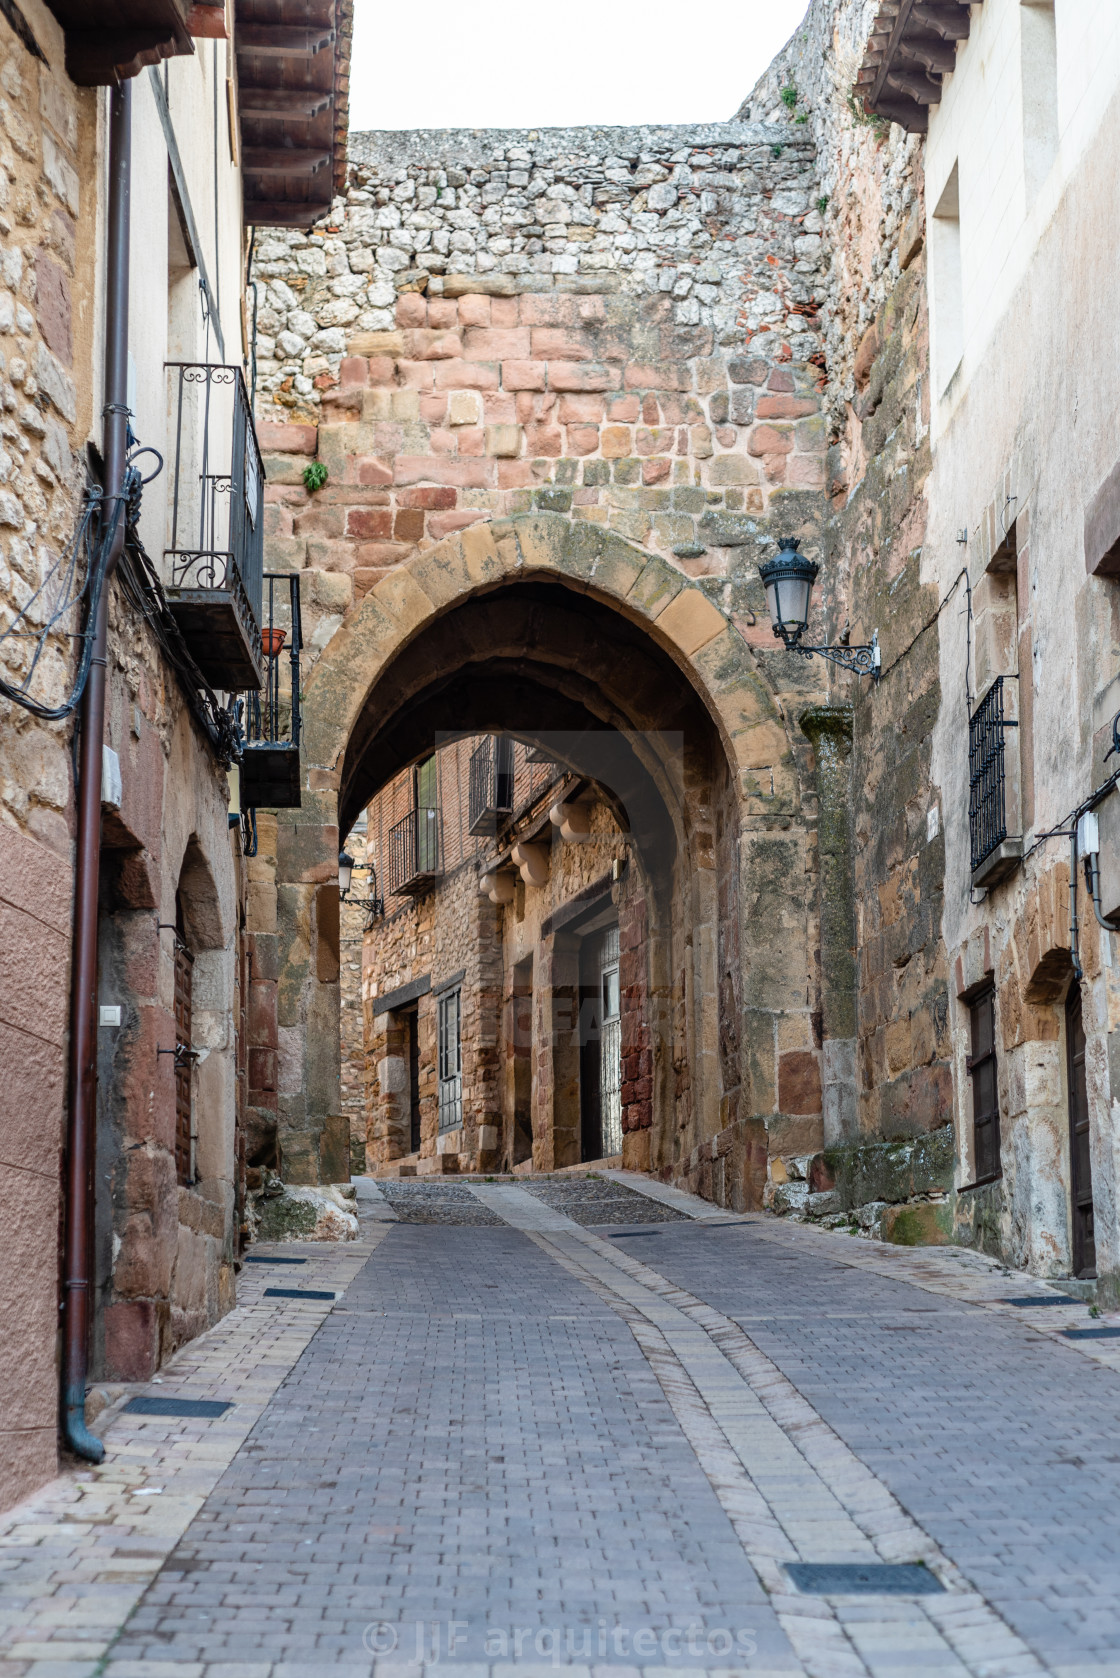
point(536, 627)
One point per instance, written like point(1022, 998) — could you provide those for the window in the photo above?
point(450, 1060)
point(948, 285)
point(1039, 59)
point(985, 1091)
point(426, 806)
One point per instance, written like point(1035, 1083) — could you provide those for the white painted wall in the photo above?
point(1031, 414)
point(988, 125)
point(197, 98)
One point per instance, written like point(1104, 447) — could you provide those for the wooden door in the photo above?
point(184, 1061)
point(412, 1021)
point(1080, 1163)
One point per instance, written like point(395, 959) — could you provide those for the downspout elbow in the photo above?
point(76, 1434)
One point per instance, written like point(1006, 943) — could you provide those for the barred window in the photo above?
point(985, 1091)
point(450, 1060)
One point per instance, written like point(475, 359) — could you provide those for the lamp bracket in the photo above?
point(864, 661)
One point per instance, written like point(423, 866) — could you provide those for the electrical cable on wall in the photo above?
point(73, 581)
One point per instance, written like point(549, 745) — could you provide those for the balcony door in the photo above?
point(1080, 1163)
point(426, 805)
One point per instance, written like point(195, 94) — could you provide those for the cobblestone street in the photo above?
point(564, 1423)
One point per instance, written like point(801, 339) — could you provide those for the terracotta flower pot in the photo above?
point(271, 641)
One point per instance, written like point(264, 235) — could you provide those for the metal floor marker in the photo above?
point(1091, 1334)
point(159, 1406)
point(863, 1578)
point(260, 1258)
point(1044, 1299)
point(297, 1293)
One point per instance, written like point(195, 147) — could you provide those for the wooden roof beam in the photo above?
point(283, 103)
point(273, 212)
point(276, 40)
point(284, 160)
point(945, 17)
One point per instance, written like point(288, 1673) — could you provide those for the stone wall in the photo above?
point(875, 342)
point(699, 339)
point(644, 361)
point(165, 1250)
point(48, 158)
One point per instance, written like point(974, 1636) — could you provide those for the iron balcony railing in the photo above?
point(987, 774)
point(491, 784)
point(270, 759)
point(215, 536)
point(414, 852)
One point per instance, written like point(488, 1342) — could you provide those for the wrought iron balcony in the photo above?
point(491, 784)
point(215, 540)
point(415, 852)
point(993, 787)
point(270, 777)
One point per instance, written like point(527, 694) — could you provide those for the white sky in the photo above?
point(493, 64)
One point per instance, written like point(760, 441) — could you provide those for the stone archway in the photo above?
point(766, 896)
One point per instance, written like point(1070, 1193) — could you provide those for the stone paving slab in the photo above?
point(601, 1451)
point(77, 1557)
point(471, 1439)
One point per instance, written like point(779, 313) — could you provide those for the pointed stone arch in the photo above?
point(688, 628)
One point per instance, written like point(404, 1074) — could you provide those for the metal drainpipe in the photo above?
point(81, 1132)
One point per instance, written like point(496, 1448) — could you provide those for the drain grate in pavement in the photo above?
point(297, 1293)
point(1044, 1299)
point(632, 1234)
point(863, 1578)
point(255, 1258)
point(153, 1406)
point(1091, 1334)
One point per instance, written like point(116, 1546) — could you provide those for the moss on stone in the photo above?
point(892, 1171)
point(285, 1219)
point(926, 1224)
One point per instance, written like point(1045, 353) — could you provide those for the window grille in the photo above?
point(985, 1091)
point(987, 774)
point(450, 1060)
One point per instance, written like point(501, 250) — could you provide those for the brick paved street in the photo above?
point(524, 1437)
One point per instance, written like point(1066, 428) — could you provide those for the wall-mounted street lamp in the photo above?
point(788, 581)
point(373, 905)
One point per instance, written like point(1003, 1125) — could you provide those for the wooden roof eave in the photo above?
point(293, 79)
point(114, 48)
point(907, 56)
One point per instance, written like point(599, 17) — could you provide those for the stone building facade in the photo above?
point(586, 378)
point(551, 350)
point(1023, 523)
point(47, 311)
point(174, 951)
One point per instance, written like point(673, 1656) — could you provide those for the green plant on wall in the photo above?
point(863, 119)
point(789, 97)
point(315, 475)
